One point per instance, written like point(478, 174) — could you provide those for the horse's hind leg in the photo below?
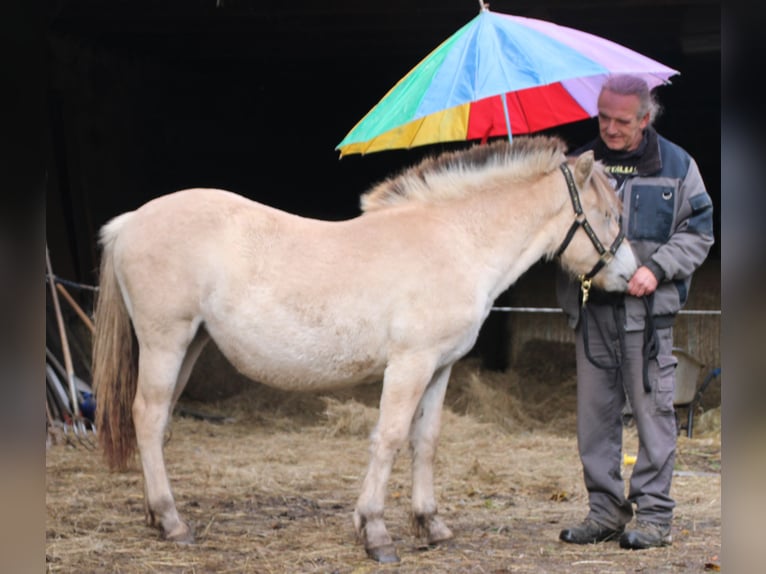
point(158, 372)
point(192, 354)
point(424, 438)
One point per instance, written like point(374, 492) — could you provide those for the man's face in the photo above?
point(618, 123)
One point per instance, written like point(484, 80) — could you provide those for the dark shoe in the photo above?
point(646, 535)
point(588, 532)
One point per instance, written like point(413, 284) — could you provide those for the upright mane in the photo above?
point(607, 199)
point(449, 175)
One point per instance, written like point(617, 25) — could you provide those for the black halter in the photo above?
point(581, 221)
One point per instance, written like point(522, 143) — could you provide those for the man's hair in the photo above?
point(628, 85)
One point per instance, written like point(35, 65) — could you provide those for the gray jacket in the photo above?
point(667, 217)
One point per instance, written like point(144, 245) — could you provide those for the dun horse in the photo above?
point(397, 295)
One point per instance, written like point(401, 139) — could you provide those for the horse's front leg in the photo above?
point(424, 438)
point(157, 378)
point(403, 385)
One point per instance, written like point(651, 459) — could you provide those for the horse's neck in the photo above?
point(514, 228)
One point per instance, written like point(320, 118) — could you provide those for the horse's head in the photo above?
point(595, 248)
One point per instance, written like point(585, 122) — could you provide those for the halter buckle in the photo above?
point(585, 288)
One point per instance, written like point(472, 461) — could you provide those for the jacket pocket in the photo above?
point(652, 208)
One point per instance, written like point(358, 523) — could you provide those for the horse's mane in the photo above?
point(604, 189)
point(446, 175)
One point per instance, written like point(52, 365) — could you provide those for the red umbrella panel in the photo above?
point(530, 110)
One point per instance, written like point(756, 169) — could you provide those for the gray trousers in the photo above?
point(600, 401)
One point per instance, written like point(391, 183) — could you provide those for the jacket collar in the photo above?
point(644, 160)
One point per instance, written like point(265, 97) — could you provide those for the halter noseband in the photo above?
point(581, 221)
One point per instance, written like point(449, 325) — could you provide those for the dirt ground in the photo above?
point(271, 488)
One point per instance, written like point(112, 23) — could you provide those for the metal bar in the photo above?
point(560, 310)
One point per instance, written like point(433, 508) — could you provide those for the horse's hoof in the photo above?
point(182, 535)
point(440, 535)
point(438, 541)
point(186, 541)
point(383, 554)
point(433, 529)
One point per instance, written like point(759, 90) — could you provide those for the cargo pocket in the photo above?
point(664, 383)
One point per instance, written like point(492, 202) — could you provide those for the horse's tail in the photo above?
point(115, 360)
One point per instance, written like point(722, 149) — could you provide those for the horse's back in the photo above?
point(190, 215)
point(186, 226)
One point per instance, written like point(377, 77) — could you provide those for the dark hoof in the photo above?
point(440, 540)
point(188, 541)
point(182, 535)
point(383, 554)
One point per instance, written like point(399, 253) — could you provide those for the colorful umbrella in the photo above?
point(498, 75)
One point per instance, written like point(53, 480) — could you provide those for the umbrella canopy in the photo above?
point(498, 75)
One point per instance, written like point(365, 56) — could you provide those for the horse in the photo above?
point(395, 294)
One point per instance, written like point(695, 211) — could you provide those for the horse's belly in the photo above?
point(293, 366)
point(299, 376)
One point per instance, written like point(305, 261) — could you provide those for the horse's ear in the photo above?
point(583, 168)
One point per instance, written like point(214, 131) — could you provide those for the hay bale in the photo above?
point(348, 418)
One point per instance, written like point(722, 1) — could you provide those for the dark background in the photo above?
point(145, 97)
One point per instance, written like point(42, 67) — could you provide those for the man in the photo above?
point(624, 341)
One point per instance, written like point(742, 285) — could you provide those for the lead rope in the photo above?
point(651, 343)
point(617, 363)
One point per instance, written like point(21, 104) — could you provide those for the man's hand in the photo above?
point(642, 283)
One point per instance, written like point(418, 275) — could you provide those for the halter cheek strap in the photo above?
point(605, 255)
